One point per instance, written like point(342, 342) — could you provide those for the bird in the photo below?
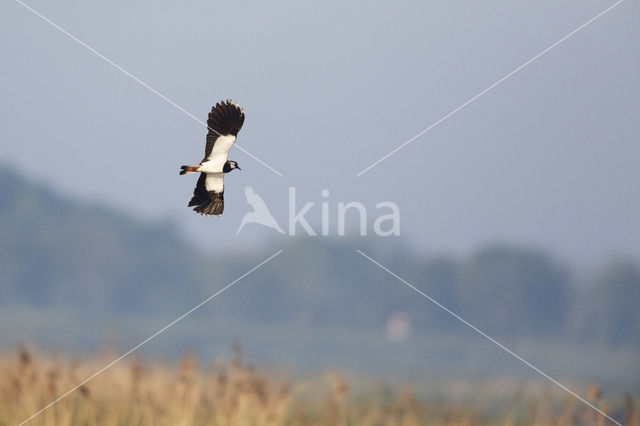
point(224, 122)
point(260, 213)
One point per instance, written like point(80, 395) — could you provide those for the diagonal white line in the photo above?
point(491, 339)
point(490, 87)
point(136, 79)
point(150, 337)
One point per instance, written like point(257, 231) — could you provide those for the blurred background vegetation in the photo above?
point(78, 277)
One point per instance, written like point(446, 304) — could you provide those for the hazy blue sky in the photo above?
point(548, 157)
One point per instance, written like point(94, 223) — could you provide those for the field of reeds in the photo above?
point(234, 393)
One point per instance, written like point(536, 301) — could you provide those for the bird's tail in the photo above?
point(185, 170)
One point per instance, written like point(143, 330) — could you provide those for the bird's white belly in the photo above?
point(218, 156)
point(214, 165)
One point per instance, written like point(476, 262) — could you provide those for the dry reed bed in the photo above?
point(236, 394)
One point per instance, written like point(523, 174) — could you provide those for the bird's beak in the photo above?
point(237, 167)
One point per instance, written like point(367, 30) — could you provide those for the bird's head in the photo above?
point(230, 165)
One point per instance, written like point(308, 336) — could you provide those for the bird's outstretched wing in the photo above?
point(208, 196)
point(224, 123)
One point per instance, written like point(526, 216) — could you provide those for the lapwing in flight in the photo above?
point(224, 123)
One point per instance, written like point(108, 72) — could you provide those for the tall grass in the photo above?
point(234, 393)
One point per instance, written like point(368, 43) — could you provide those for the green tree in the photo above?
point(615, 314)
point(514, 292)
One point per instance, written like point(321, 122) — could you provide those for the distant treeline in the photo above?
point(57, 253)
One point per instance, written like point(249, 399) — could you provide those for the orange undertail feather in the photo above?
point(185, 170)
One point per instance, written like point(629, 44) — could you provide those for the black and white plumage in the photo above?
point(225, 121)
